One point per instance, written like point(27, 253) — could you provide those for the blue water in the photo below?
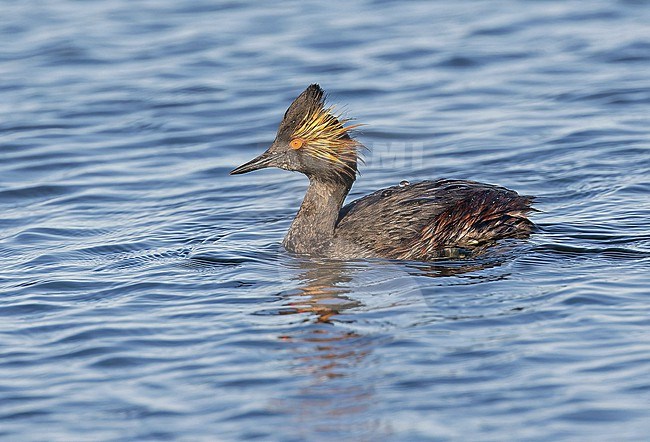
point(144, 294)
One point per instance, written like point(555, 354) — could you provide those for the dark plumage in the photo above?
point(432, 219)
point(421, 221)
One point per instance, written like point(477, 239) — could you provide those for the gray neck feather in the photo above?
point(313, 228)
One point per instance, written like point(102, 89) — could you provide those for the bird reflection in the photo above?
point(323, 290)
point(337, 394)
point(330, 352)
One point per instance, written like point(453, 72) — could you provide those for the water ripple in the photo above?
point(145, 290)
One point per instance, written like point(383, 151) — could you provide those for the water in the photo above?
point(143, 291)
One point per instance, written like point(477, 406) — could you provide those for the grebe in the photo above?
point(420, 221)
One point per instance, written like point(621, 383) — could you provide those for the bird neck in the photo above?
point(313, 228)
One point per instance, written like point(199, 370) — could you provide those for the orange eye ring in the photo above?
point(296, 143)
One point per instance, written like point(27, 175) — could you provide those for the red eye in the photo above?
point(296, 143)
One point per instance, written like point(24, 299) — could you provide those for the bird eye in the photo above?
point(296, 143)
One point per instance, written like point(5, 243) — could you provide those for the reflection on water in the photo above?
point(336, 396)
point(323, 289)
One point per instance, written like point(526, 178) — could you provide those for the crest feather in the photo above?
point(326, 134)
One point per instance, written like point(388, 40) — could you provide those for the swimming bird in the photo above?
point(422, 221)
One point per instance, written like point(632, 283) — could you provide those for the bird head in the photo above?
point(311, 139)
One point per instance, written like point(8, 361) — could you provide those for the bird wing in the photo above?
point(422, 219)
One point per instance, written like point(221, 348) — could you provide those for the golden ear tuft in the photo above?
point(322, 134)
point(297, 143)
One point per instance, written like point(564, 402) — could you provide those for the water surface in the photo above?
point(144, 293)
